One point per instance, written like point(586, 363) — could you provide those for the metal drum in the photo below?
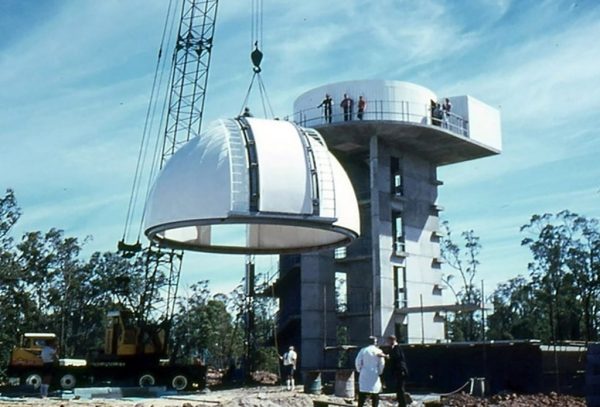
point(344, 383)
point(312, 382)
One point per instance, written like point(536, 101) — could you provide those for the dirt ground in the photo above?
point(242, 397)
point(514, 400)
point(275, 396)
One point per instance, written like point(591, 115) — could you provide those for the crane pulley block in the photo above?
point(129, 250)
point(256, 56)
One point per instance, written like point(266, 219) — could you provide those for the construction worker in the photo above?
point(289, 367)
point(398, 369)
point(326, 104)
point(362, 105)
point(347, 104)
point(49, 358)
point(369, 363)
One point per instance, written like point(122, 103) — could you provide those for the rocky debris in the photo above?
point(513, 400)
point(265, 378)
point(271, 400)
point(277, 396)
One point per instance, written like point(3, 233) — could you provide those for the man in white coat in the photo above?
point(369, 364)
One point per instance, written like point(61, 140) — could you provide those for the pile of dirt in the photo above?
point(271, 400)
point(513, 400)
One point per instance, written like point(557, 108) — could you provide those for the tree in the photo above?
point(9, 214)
point(465, 260)
point(265, 310)
point(584, 261)
point(202, 326)
point(102, 283)
point(518, 313)
point(12, 298)
point(566, 272)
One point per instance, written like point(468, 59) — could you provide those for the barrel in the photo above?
point(477, 388)
point(344, 383)
point(592, 376)
point(312, 382)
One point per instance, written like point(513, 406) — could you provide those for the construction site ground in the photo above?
point(272, 396)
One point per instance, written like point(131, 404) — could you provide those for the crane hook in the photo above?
point(256, 56)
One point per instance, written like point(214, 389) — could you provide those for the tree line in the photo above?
point(46, 286)
point(559, 298)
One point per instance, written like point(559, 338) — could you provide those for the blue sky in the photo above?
point(76, 76)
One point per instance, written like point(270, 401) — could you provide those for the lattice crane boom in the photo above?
point(184, 104)
point(191, 60)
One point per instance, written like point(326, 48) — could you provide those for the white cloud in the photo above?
point(543, 78)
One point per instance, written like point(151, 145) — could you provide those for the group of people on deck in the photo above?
point(440, 113)
point(347, 105)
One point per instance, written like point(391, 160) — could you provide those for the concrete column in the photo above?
point(317, 312)
point(381, 226)
point(376, 287)
point(386, 243)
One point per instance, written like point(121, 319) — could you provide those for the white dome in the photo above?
point(251, 185)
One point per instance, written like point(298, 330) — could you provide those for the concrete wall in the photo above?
point(483, 121)
point(316, 280)
point(420, 221)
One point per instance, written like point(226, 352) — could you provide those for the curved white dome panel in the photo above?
point(282, 168)
point(251, 185)
point(193, 159)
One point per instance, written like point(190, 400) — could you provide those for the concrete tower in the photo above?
point(388, 281)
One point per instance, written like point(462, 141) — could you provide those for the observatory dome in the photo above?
point(253, 186)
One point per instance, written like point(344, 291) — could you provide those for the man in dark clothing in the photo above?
point(347, 104)
point(398, 368)
point(326, 104)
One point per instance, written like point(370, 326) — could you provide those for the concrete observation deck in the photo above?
point(402, 115)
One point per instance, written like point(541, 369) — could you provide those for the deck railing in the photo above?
point(385, 110)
